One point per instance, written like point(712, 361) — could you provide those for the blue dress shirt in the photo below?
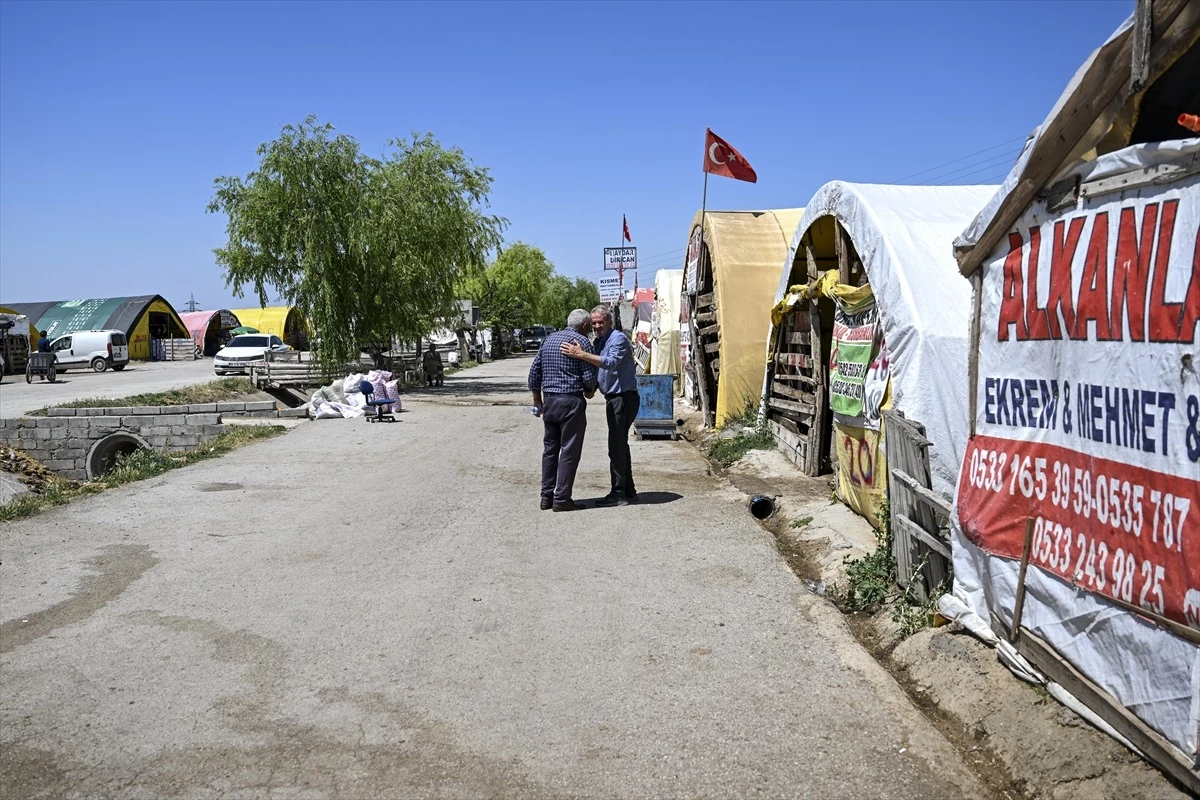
point(616, 373)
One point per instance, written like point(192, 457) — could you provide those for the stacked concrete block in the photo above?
point(64, 438)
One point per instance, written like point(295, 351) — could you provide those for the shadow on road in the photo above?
point(460, 388)
point(643, 499)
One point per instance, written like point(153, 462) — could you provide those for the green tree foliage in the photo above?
point(563, 296)
point(521, 288)
point(370, 249)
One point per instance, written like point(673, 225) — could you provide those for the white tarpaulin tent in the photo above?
point(664, 347)
point(1086, 402)
point(902, 235)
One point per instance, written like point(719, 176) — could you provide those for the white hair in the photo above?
point(579, 320)
point(606, 311)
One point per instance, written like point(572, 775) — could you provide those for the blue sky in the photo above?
point(115, 118)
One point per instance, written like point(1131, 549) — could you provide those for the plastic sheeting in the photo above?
point(1092, 303)
point(746, 250)
point(902, 235)
point(664, 328)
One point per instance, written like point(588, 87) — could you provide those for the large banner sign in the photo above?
point(620, 258)
point(693, 260)
point(1088, 399)
point(853, 339)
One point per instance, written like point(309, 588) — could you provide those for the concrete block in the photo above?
point(154, 430)
point(69, 452)
point(261, 405)
point(146, 410)
point(105, 423)
point(79, 474)
point(79, 422)
point(42, 434)
point(157, 441)
point(57, 422)
point(184, 441)
point(212, 430)
point(203, 419)
point(136, 423)
point(231, 406)
point(202, 408)
point(77, 443)
point(42, 422)
point(61, 412)
point(58, 464)
point(300, 413)
point(262, 414)
point(90, 412)
point(120, 411)
point(172, 419)
point(59, 433)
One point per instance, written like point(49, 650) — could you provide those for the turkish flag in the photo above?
point(720, 158)
point(625, 225)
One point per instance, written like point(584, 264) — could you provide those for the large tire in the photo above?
point(29, 373)
point(118, 367)
point(99, 364)
point(51, 377)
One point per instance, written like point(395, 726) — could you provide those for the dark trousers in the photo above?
point(622, 410)
point(565, 420)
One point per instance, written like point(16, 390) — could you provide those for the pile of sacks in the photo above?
point(342, 398)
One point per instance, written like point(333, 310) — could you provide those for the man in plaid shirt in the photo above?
point(561, 387)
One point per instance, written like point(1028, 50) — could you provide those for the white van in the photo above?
point(98, 350)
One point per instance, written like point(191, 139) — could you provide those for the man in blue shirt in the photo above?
point(618, 382)
point(560, 388)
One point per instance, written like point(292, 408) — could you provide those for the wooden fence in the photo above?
point(919, 517)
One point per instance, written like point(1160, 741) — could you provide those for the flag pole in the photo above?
point(621, 263)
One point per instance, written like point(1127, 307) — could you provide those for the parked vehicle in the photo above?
point(97, 350)
point(244, 350)
point(532, 338)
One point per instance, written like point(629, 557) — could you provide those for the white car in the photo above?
point(244, 350)
point(97, 350)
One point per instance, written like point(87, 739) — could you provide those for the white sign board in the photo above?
point(610, 289)
point(620, 258)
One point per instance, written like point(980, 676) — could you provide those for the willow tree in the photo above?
point(369, 249)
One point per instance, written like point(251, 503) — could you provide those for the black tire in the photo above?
point(29, 373)
point(99, 364)
point(51, 375)
point(118, 367)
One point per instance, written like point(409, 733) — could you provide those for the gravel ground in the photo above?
point(358, 610)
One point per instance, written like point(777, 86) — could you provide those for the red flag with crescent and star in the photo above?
point(721, 158)
point(625, 225)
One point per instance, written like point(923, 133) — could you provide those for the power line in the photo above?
point(955, 161)
point(969, 169)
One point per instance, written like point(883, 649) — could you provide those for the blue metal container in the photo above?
point(657, 393)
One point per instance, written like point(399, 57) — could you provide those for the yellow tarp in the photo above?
point(267, 320)
point(747, 250)
point(862, 469)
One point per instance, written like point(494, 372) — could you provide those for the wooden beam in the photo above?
point(841, 244)
point(1156, 748)
point(795, 379)
point(912, 529)
point(810, 256)
point(1105, 82)
point(795, 394)
point(707, 316)
point(910, 483)
point(788, 405)
point(709, 330)
point(704, 300)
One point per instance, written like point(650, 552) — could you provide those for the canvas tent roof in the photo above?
point(197, 322)
point(272, 319)
point(902, 236)
point(59, 317)
point(747, 250)
point(32, 332)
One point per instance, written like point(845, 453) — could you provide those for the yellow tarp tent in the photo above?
point(286, 322)
point(747, 250)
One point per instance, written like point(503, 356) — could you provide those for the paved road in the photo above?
point(18, 397)
point(360, 610)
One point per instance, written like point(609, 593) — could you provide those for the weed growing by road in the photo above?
point(801, 522)
point(216, 391)
point(753, 436)
point(460, 367)
point(136, 466)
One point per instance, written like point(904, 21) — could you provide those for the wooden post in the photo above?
point(841, 244)
point(1019, 604)
point(973, 353)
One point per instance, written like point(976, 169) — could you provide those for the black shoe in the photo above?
point(612, 499)
point(567, 505)
point(631, 496)
point(547, 503)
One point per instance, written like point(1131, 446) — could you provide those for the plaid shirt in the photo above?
point(554, 373)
